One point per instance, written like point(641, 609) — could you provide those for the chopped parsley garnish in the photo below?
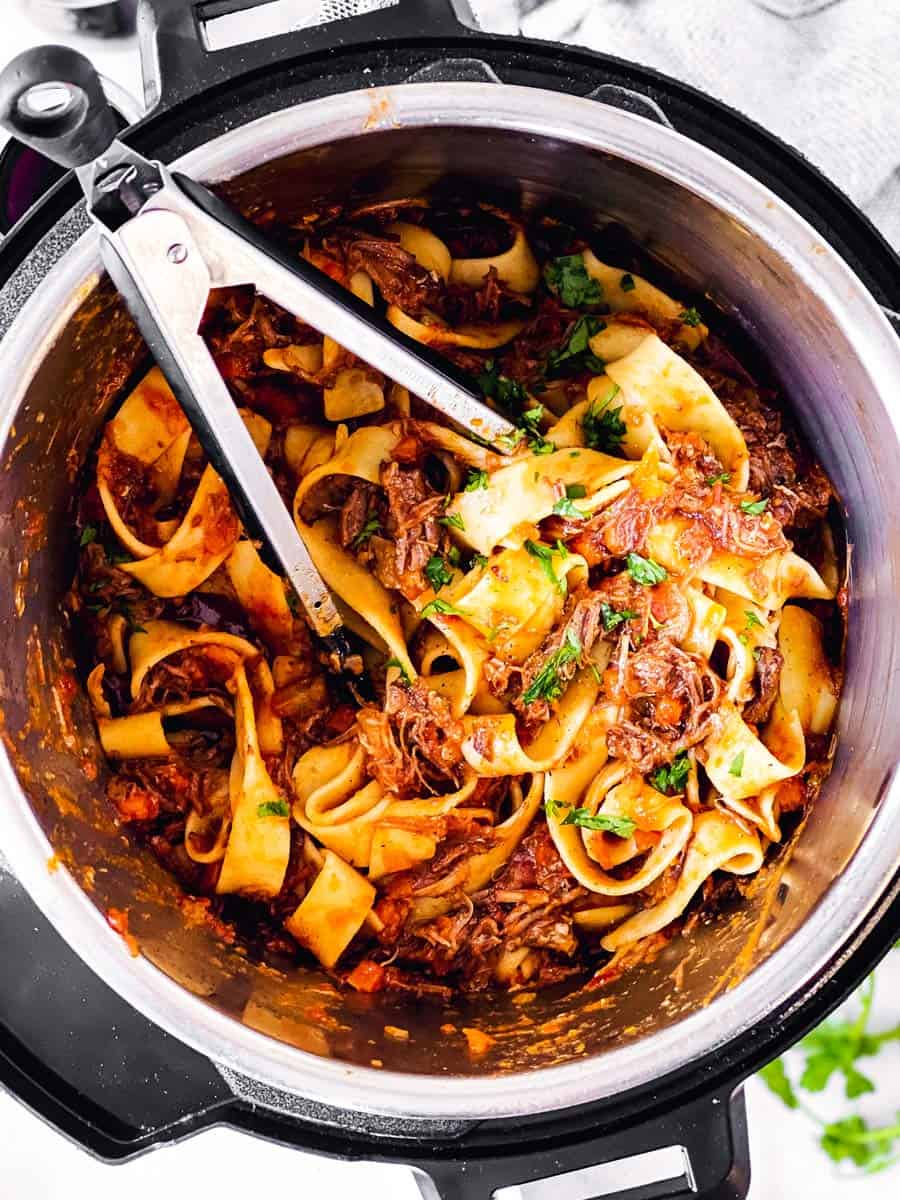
point(722, 477)
point(602, 426)
point(404, 674)
point(292, 602)
point(645, 571)
point(437, 572)
point(627, 284)
point(508, 393)
point(547, 684)
point(530, 421)
point(576, 356)
point(453, 556)
point(672, 777)
point(622, 827)
point(613, 617)
point(576, 491)
point(835, 1048)
point(373, 525)
point(88, 535)
point(565, 508)
point(476, 480)
point(568, 279)
point(544, 554)
point(437, 605)
point(754, 507)
point(737, 765)
point(753, 622)
point(689, 316)
point(454, 520)
point(273, 808)
point(479, 560)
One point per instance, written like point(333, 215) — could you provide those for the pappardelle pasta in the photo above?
point(600, 666)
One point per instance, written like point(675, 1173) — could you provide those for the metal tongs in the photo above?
point(166, 241)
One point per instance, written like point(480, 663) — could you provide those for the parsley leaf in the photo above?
point(479, 560)
point(88, 535)
point(547, 684)
point(753, 621)
point(404, 674)
point(602, 822)
point(437, 605)
point(613, 617)
point(737, 765)
point(545, 556)
point(672, 778)
point(775, 1077)
point(575, 355)
point(689, 316)
point(576, 491)
point(627, 284)
point(454, 520)
point(602, 426)
point(508, 393)
point(476, 480)
point(373, 525)
point(437, 572)
point(565, 508)
point(568, 279)
point(754, 507)
point(722, 477)
point(645, 571)
point(273, 808)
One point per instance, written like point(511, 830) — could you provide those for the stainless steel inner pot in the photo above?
point(839, 363)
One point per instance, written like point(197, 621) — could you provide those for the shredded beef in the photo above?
point(393, 270)
point(411, 533)
point(669, 699)
point(415, 744)
point(462, 305)
point(765, 685)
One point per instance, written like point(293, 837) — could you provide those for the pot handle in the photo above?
point(191, 45)
point(696, 1152)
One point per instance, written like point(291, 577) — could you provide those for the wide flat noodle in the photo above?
point(357, 587)
point(261, 594)
point(259, 843)
point(618, 792)
point(492, 747)
point(426, 248)
point(656, 379)
point(435, 333)
point(516, 267)
point(807, 685)
point(160, 639)
point(361, 456)
point(525, 492)
point(475, 872)
point(719, 843)
point(202, 542)
point(512, 601)
point(143, 735)
point(335, 800)
point(333, 910)
point(739, 764)
point(640, 297)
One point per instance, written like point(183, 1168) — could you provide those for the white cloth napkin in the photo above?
point(822, 74)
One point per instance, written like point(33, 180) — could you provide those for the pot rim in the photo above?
point(785, 978)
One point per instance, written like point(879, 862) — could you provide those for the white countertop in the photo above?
point(36, 1163)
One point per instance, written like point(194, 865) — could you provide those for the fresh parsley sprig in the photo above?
point(545, 555)
point(622, 827)
point(575, 355)
point(835, 1048)
point(602, 426)
point(547, 683)
point(568, 279)
point(671, 778)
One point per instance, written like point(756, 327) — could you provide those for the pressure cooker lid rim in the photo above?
point(784, 979)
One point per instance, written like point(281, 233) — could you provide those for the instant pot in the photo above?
point(632, 1088)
